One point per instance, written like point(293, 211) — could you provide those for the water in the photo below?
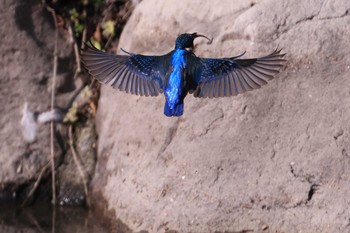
point(42, 218)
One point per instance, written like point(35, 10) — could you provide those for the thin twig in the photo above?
point(34, 221)
point(75, 96)
point(108, 42)
point(76, 51)
point(83, 39)
point(53, 227)
point(35, 186)
point(70, 134)
point(52, 125)
point(78, 164)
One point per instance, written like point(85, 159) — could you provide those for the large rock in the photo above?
point(275, 159)
point(27, 44)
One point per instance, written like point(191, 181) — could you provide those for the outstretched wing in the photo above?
point(233, 76)
point(132, 73)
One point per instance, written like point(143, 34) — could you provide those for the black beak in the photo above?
point(199, 35)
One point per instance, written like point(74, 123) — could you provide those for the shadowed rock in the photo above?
point(251, 162)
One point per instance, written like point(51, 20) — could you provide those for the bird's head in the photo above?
point(185, 41)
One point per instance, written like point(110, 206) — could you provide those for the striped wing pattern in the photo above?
point(232, 76)
point(132, 73)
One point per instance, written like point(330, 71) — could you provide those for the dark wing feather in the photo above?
point(232, 76)
point(132, 73)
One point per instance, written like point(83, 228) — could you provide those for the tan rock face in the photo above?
point(25, 77)
point(277, 158)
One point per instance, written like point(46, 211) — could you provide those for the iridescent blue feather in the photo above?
point(174, 89)
point(180, 72)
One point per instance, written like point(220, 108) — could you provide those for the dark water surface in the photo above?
point(42, 218)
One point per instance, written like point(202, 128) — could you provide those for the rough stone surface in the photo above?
point(27, 44)
point(273, 160)
point(71, 183)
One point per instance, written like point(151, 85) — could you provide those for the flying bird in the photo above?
point(180, 72)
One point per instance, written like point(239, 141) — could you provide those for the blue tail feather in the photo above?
point(178, 109)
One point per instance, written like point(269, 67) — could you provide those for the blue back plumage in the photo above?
point(180, 72)
point(174, 89)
